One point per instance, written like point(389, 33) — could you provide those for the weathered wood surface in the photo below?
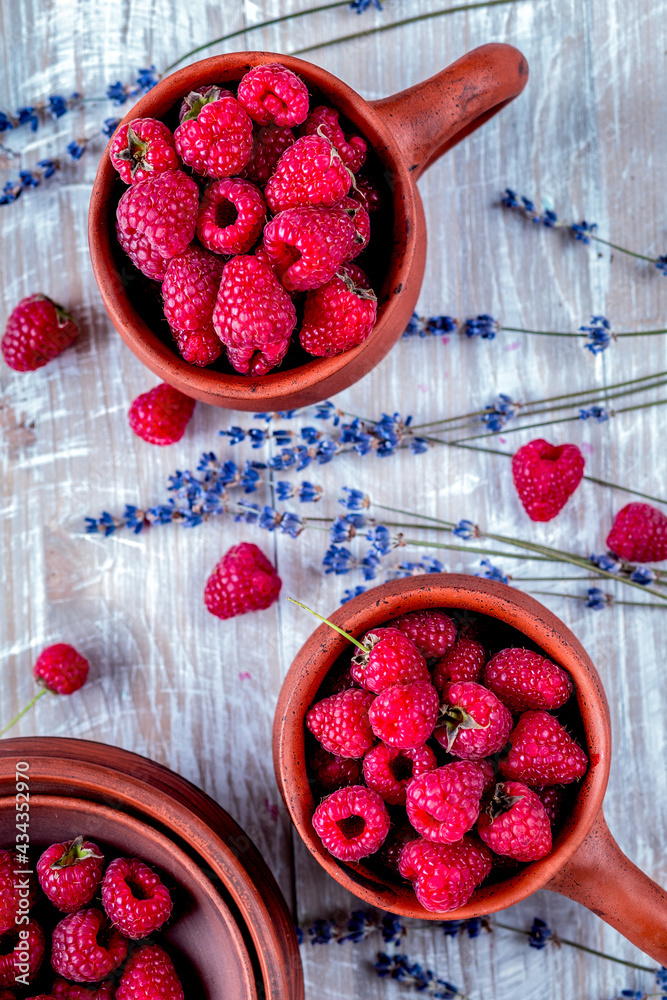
point(169, 680)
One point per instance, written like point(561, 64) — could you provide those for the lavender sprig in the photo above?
point(402, 969)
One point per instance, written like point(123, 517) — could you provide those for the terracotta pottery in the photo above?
point(407, 132)
point(191, 820)
point(585, 864)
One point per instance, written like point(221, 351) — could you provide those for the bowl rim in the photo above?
point(381, 604)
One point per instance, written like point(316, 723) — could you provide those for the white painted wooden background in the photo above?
point(169, 680)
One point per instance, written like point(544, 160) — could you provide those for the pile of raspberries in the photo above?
point(100, 940)
point(250, 215)
point(424, 738)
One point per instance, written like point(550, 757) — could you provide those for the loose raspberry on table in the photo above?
point(231, 216)
point(444, 876)
point(546, 476)
point(37, 331)
point(215, 136)
point(189, 291)
point(475, 722)
point(463, 662)
point(433, 632)
point(69, 873)
point(524, 679)
point(388, 771)
point(142, 149)
point(254, 316)
point(404, 715)
point(17, 952)
point(334, 772)
point(62, 990)
point(339, 315)
point(352, 822)
point(639, 534)
point(390, 657)
point(161, 415)
point(134, 898)
point(269, 144)
point(515, 823)
point(244, 580)
point(551, 797)
point(61, 668)
point(542, 752)
point(10, 898)
point(443, 804)
point(156, 219)
point(309, 173)
point(85, 947)
point(324, 121)
point(149, 975)
point(274, 94)
point(308, 245)
point(341, 724)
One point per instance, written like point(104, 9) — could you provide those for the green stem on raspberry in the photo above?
point(331, 625)
point(22, 713)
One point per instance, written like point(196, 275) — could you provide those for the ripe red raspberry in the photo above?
point(324, 121)
point(243, 580)
point(432, 631)
point(463, 662)
point(551, 798)
point(404, 715)
point(62, 990)
point(37, 331)
point(70, 873)
point(269, 144)
point(143, 149)
point(308, 245)
point(390, 658)
point(444, 876)
point(21, 956)
point(161, 415)
point(334, 772)
point(489, 770)
point(254, 316)
point(639, 534)
point(61, 669)
point(309, 173)
point(274, 94)
point(443, 804)
point(388, 771)
point(10, 884)
point(352, 822)
point(78, 954)
point(475, 723)
point(198, 347)
point(339, 315)
point(361, 222)
point(542, 752)
point(524, 679)
point(515, 823)
point(231, 216)
point(156, 219)
point(189, 291)
point(367, 193)
point(215, 136)
point(149, 975)
point(340, 723)
point(134, 898)
point(546, 476)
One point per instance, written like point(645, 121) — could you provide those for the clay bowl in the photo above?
point(585, 863)
point(407, 132)
point(143, 790)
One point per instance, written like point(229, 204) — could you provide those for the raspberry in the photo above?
point(551, 798)
point(443, 804)
point(444, 876)
point(78, 954)
point(310, 172)
point(244, 580)
point(215, 136)
point(62, 990)
point(193, 102)
point(515, 823)
point(390, 658)
point(156, 219)
point(523, 679)
point(10, 899)
point(37, 331)
point(254, 316)
point(388, 771)
point(70, 873)
point(134, 898)
point(352, 822)
point(269, 144)
point(231, 216)
point(274, 94)
point(334, 772)
point(189, 290)
point(339, 315)
point(488, 768)
point(476, 723)
point(308, 245)
point(149, 975)
point(324, 121)
point(198, 347)
point(366, 192)
point(161, 415)
point(639, 534)
point(143, 149)
point(404, 715)
point(542, 752)
point(463, 662)
point(61, 669)
point(21, 956)
point(361, 222)
point(340, 723)
point(433, 632)
point(546, 476)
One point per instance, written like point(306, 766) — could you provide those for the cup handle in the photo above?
point(428, 119)
point(599, 876)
